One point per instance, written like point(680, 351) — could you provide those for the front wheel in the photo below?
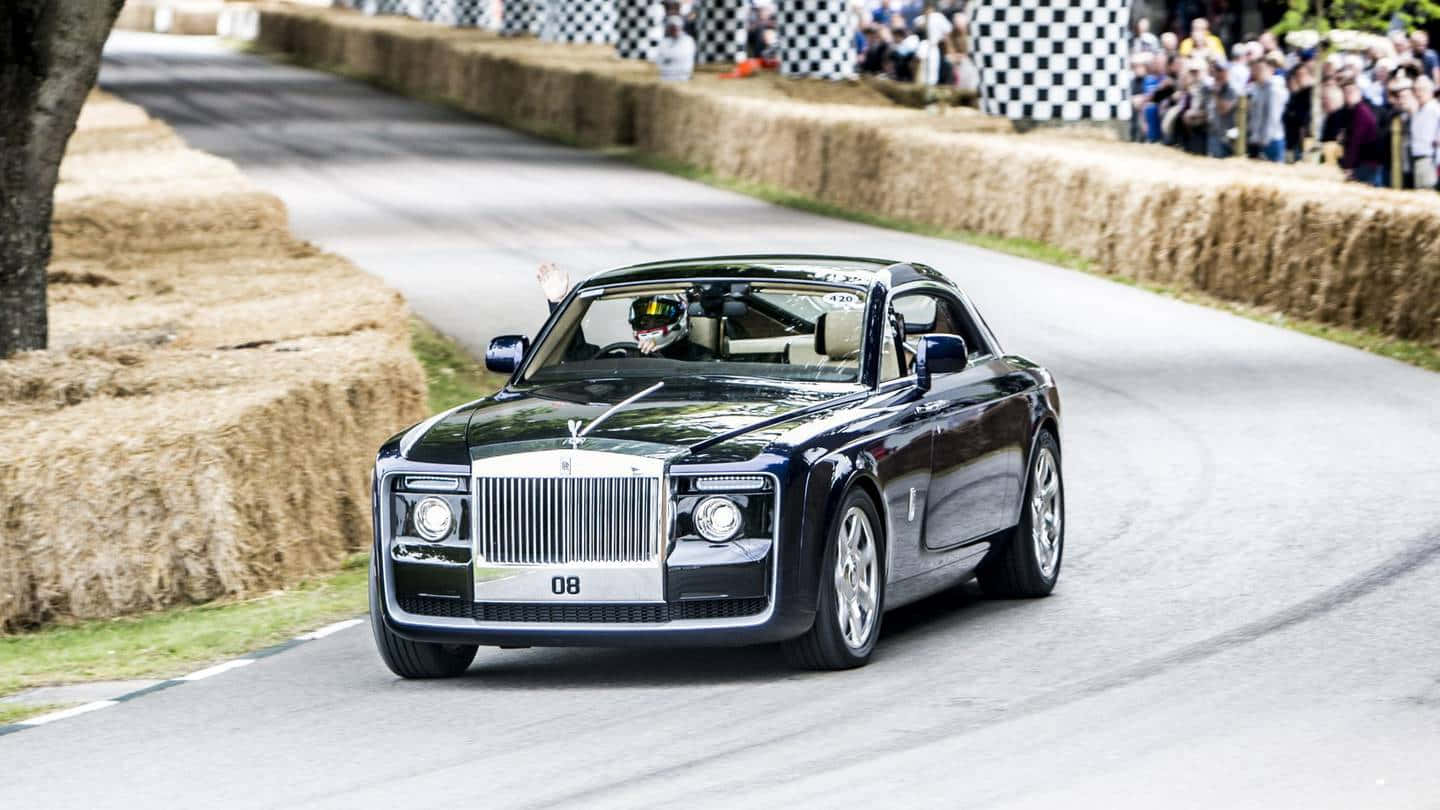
point(415, 659)
point(1029, 563)
point(852, 592)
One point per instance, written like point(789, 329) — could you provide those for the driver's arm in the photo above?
point(555, 283)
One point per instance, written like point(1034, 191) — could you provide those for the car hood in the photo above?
point(665, 423)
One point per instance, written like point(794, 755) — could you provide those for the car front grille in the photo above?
point(582, 614)
point(560, 521)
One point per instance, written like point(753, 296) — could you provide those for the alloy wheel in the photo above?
point(857, 578)
point(1046, 512)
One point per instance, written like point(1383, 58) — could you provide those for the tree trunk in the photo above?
point(49, 56)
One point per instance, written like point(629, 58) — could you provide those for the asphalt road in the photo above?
point(1247, 616)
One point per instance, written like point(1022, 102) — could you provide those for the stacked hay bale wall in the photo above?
point(1292, 238)
point(204, 422)
point(196, 17)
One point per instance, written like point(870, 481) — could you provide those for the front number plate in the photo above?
point(569, 584)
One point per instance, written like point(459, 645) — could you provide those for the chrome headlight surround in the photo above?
point(433, 519)
point(718, 519)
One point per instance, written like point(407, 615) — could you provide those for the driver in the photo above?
point(661, 323)
point(662, 326)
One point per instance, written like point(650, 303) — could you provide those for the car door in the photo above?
point(978, 421)
point(902, 454)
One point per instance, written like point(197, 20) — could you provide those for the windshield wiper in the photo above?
point(577, 434)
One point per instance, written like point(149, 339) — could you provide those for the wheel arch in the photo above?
point(1045, 420)
point(831, 479)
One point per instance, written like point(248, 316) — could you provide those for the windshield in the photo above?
point(776, 331)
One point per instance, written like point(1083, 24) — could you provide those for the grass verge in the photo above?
point(452, 376)
point(1406, 351)
point(15, 712)
point(172, 642)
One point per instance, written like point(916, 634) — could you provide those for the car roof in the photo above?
point(787, 267)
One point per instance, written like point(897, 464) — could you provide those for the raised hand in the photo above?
point(554, 282)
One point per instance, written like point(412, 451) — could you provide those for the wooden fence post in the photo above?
point(1397, 160)
point(1242, 114)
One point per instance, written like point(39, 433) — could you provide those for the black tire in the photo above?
point(824, 646)
point(415, 659)
point(1015, 569)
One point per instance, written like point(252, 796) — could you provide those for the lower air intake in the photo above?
point(581, 614)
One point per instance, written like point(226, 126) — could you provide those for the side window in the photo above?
point(919, 311)
point(930, 313)
point(892, 362)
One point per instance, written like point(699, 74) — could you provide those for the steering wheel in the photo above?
point(624, 348)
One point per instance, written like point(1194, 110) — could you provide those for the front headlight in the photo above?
point(433, 519)
point(718, 519)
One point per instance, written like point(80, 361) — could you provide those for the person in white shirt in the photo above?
point(1239, 75)
point(937, 27)
point(1424, 133)
point(676, 52)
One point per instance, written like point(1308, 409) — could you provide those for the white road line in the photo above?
point(327, 630)
point(83, 708)
point(216, 670)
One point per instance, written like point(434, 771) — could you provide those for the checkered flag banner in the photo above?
point(817, 38)
point(639, 27)
point(381, 6)
point(1053, 60)
point(468, 13)
point(720, 31)
point(579, 21)
point(519, 17)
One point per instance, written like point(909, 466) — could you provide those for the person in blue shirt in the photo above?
point(1420, 44)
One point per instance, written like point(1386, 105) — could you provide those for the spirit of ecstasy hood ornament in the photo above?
point(577, 433)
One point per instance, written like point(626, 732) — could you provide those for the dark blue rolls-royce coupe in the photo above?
point(728, 450)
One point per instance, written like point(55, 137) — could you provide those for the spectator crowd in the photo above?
point(894, 38)
point(1294, 102)
point(1298, 104)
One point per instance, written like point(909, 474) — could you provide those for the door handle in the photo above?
point(932, 407)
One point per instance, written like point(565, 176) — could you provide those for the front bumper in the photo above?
point(629, 625)
point(712, 594)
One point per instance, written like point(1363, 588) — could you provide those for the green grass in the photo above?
point(15, 712)
point(172, 642)
point(1406, 351)
point(451, 373)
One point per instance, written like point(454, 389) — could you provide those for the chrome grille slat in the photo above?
point(562, 521)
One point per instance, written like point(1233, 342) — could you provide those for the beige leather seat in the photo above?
point(835, 344)
point(705, 332)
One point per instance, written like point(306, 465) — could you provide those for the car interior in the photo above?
point(790, 331)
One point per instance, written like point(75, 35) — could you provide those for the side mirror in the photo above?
point(505, 353)
point(939, 354)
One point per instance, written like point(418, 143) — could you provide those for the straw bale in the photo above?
point(136, 15)
point(122, 504)
point(1296, 238)
point(107, 124)
point(197, 17)
point(203, 423)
